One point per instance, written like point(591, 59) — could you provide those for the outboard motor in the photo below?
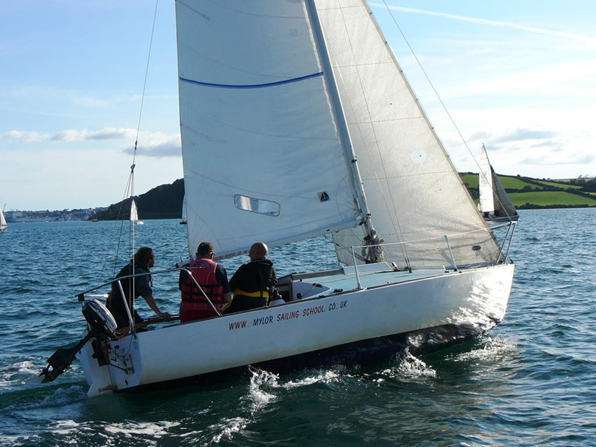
point(101, 325)
point(100, 319)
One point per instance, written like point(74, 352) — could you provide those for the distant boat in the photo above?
point(494, 204)
point(3, 224)
point(134, 213)
point(184, 220)
point(297, 122)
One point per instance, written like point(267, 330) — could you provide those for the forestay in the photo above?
point(263, 159)
point(414, 193)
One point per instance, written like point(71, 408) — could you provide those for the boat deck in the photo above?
point(371, 275)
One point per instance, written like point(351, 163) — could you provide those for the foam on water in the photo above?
point(227, 428)
point(489, 351)
point(407, 368)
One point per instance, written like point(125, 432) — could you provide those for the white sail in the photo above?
point(3, 224)
point(134, 214)
point(485, 184)
point(415, 194)
point(262, 153)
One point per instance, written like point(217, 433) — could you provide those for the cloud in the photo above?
point(27, 137)
point(157, 144)
point(568, 159)
point(71, 135)
point(150, 144)
point(531, 29)
point(525, 134)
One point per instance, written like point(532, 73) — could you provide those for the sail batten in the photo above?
point(270, 84)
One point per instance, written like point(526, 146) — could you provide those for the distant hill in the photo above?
point(162, 202)
point(165, 201)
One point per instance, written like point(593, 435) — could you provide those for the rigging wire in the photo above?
point(129, 189)
point(440, 99)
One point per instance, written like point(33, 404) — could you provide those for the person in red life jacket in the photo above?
point(255, 282)
point(211, 277)
point(143, 260)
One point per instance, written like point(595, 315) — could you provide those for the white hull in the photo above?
point(412, 302)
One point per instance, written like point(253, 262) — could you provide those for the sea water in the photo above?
point(531, 381)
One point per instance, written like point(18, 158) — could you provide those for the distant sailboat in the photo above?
point(3, 224)
point(134, 213)
point(494, 204)
point(184, 220)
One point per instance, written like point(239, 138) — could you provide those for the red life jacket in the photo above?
point(203, 270)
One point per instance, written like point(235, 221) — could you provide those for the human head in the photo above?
point(257, 251)
point(145, 256)
point(205, 250)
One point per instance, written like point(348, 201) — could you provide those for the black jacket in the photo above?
point(256, 276)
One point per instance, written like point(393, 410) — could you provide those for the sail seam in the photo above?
point(253, 86)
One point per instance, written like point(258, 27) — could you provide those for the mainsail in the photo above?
point(414, 193)
point(263, 158)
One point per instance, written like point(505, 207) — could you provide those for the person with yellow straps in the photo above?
point(253, 283)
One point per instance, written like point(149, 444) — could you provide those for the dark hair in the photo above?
point(143, 256)
point(205, 249)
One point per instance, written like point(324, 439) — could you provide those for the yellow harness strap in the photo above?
point(263, 294)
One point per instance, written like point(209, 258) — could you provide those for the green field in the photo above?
point(535, 195)
point(550, 198)
point(559, 185)
point(471, 181)
point(515, 183)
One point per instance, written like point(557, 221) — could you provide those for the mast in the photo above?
point(341, 118)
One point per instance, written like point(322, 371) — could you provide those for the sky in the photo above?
point(516, 75)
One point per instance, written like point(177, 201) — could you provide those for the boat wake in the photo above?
point(489, 349)
point(410, 367)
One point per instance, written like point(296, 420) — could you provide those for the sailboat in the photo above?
point(296, 122)
point(3, 224)
point(494, 204)
point(134, 213)
point(183, 220)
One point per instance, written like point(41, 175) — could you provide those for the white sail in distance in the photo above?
point(485, 184)
point(134, 214)
point(414, 192)
point(263, 158)
point(3, 224)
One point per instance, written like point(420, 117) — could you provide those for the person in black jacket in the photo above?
point(142, 261)
point(255, 282)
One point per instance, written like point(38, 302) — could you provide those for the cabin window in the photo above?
point(255, 205)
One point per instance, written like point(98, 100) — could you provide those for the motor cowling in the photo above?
point(100, 319)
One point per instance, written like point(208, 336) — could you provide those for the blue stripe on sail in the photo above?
point(271, 84)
